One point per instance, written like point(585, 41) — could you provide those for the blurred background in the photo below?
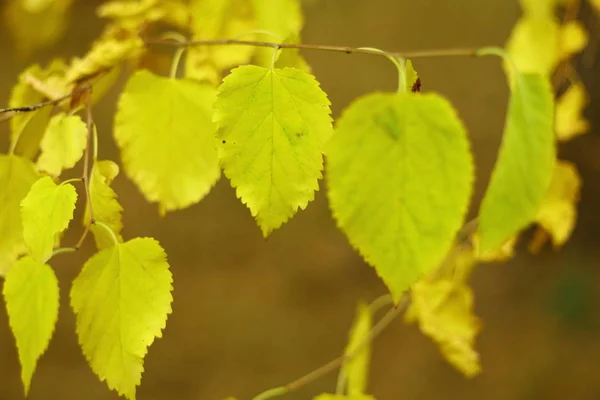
point(250, 314)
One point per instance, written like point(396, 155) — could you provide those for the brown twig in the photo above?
point(81, 87)
point(305, 46)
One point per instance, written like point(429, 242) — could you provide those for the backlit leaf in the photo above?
point(570, 121)
point(31, 297)
point(573, 39)
point(444, 312)
point(133, 15)
point(400, 176)
point(292, 57)
point(357, 369)
point(104, 203)
point(533, 45)
point(104, 54)
point(273, 125)
point(63, 144)
point(27, 129)
point(219, 19)
point(17, 174)
point(121, 299)
point(525, 163)
point(282, 18)
point(172, 156)
point(46, 211)
point(558, 213)
point(34, 27)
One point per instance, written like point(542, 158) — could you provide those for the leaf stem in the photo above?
point(108, 229)
point(70, 180)
point(339, 361)
point(175, 62)
point(63, 250)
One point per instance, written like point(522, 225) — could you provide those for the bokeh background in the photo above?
point(249, 313)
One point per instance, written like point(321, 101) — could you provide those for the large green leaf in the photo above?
point(31, 296)
point(46, 211)
point(164, 129)
point(273, 125)
point(525, 163)
point(121, 299)
point(16, 177)
point(400, 176)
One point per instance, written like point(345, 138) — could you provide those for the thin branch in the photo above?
point(305, 46)
point(339, 361)
point(81, 87)
point(86, 167)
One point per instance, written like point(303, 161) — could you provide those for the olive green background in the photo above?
point(250, 313)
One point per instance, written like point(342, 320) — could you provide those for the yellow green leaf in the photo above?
point(17, 174)
point(400, 177)
point(558, 212)
point(172, 157)
point(36, 26)
point(444, 312)
point(132, 15)
point(46, 211)
point(63, 144)
point(282, 18)
point(570, 121)
point(356, 370)
point(104, 203)
point(273, 125)
point(218, 19)
point(533, 45)
point(525, 163)
point(31, 297)
point(121, 300)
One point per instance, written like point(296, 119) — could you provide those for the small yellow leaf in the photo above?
point(27, 129)
point(46, 211)
point(444, 311)
point(218, 19)
point(292, 57)
point(570, 121)
point(34, 25)
point(279, 17)
point(502, 253)
point(411, 78)
point(558, 213)
point(104, 54)
point(357, 369)
point(572, 39)
point(533, 45)
point(62, 144)
point(104, 204)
